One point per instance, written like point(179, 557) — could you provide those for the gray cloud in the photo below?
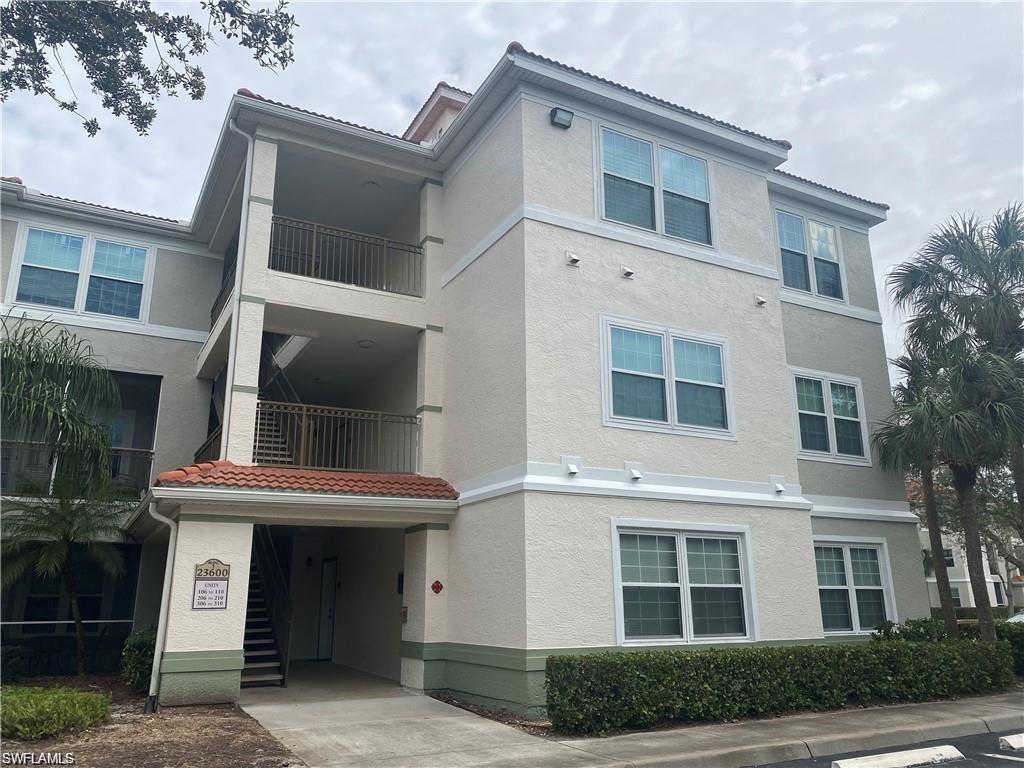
point(919, 105)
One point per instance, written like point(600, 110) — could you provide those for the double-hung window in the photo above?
point(850, 586)
point(54, 263)
point(830, 417)
point(955, 591)
point(679, 585)
point(665, 379)
point(810, 255)
point(671, 195)
point(628, 179)
point(947, 556)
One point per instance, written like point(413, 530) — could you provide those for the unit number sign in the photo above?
point(210, 587)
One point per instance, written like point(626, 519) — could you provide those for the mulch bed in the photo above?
point(541, 728)
point(175, 737)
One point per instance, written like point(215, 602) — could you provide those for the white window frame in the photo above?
point(90, 239)
point(884, 569)
point(667, 334)
point(804, 217)
point(950, 559)
point(656, 144)
point(682, 530)
point(827, 379)
point(954, 592)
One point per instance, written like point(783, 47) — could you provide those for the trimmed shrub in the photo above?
point(29, 714)
point(137, 659)
point(595, 693)
point(935, 629)
point(12, 663)
point(999, 613)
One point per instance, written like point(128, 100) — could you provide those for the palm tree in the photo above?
point(55, 391)
point(965, 290)
point(49, 534)
point(906, 441)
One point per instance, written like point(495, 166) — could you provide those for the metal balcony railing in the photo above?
point(210, 449)
point(320, 437)
point(226, 287)
point(327, 253)
point(26, 469)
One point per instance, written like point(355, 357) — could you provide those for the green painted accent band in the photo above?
point(535, 659)
point(202, 661)
point(432, 239)
point(252, 299)
point(437, 328)
point(245, 388)
point(436, 182)
point(190, 517)
point(427, 527)
point(433, 675)
point(264, 200)
point(217, 687)
point(267, 139)
point(430, 408)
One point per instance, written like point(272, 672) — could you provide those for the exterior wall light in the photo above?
point(561, 118)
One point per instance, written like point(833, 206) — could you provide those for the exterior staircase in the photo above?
point(271, 445)
point(262, 656)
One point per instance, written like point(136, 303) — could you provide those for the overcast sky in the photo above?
point(918, 105)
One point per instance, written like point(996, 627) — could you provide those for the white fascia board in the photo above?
point(861, 509)
point(241, 496)
point(806, 192)
point(594, 481)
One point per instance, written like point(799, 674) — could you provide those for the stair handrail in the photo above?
point(279, 377)
point(275, 591)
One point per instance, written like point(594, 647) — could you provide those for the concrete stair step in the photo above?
point(261, 664)
point(260, 652)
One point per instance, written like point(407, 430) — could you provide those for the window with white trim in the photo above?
point(661, 377)
point(680, 585)
point(956, 597)
point(53, 262)
point(810, 255)
point(671, 196)
point(947, 556)
point(851, 587)
point(832, 425)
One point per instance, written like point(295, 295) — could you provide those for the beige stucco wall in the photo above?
point(485, 385)
point(199, 630)
point(8, 235)
point(742, 215)
point(485, 189)
point(563, 362)
point(487, 574)
point(570, 589)
point(184, 288)
point(558, 164)
point(860, 273)
point(904, 558)
point(832, 343)
point(304, 589)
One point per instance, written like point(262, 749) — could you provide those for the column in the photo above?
point(430, 359)
point(425, 626)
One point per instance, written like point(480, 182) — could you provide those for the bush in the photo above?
point(12, 663)
point(30, 714)
point(935, 629)
point(137, 659)
point(999, 613)
point(594, 693)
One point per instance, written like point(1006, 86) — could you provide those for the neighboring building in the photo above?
point(565, 367)
point(959, 580)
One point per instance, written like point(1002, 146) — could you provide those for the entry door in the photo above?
point(328, 580)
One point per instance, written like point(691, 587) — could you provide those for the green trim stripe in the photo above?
point(245, 388)
point(264, 200)
point(426, 527)
point(190, 517)
point(252, 299)
point(202, 661)
point(430, 408)
point(432, 239)
point(437, 328)
point(436, 182)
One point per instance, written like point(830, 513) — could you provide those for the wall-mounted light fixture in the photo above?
point(561, 118)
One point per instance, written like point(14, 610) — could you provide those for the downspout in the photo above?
point(165, 604)
point(236, 300)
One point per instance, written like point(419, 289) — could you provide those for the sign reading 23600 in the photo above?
point(212, 569)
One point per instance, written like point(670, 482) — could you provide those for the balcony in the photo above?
point(342, 256)
point(26, 469)
point(322, 437)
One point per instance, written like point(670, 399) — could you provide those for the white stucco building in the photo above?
point(565, 367)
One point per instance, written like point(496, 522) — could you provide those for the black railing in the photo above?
point(210, 449)
point(341, 256)
point(26, 469)
point(275, 592)
point(226, 288)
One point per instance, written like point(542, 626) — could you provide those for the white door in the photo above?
point(328, 582)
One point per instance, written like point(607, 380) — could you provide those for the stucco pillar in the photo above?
point(430, 356)
point(203, 655)
point(246, 338)
point(426, 611)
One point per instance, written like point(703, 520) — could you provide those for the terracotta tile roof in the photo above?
point(252, 95)
point(441, 84)
point(515, 47)
point(819, 185)
point(18, 180)
point(227, 474)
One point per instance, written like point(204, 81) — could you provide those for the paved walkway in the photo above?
point(332, 716)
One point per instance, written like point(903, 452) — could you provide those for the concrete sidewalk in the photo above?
point(334, 717)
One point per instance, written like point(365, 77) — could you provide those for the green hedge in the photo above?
point(12, 663)
point(999, 613)
point(137, 659)
point(595, 693)
point(29, 714)
point(935, 629)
